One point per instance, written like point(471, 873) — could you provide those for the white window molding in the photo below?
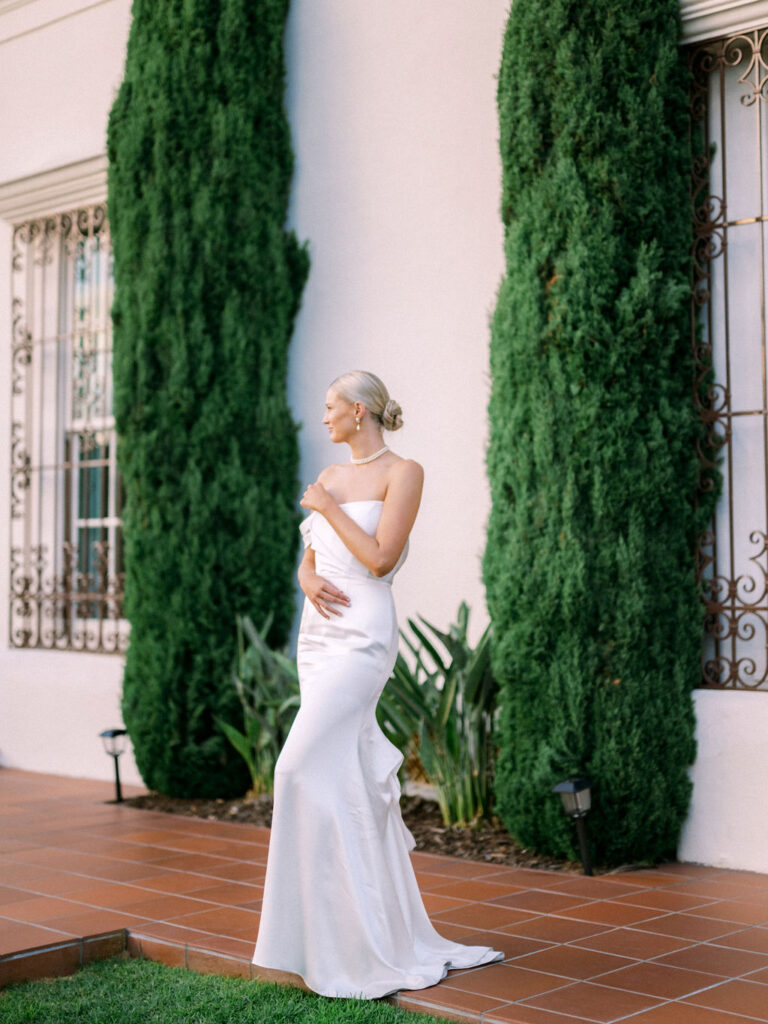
point(20, 17)
point(79, 184)
point(710, 19)
point(6, 6)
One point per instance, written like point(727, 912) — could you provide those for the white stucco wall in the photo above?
point(53, 705)
point(397, 185)
point(60, 64)
point(728, 821)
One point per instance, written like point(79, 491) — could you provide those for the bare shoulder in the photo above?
point(325, 476)
point(407, 473)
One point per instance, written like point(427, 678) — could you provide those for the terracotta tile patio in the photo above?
point(82, 879)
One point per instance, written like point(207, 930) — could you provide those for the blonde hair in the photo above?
point(365, 387)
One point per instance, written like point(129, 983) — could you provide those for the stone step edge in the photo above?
point(67, 956)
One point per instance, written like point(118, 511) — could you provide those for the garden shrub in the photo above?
point(208, 283)
point(439, 708)
point(267, 685)
point(589, 564)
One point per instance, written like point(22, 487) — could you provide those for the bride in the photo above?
point(341, 906)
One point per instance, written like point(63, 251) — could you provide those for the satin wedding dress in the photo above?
point(341, 904)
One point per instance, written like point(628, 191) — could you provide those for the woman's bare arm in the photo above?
point(379, 554)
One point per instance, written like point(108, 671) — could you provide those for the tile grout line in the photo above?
point(417, 1006)
point(490, 1020)
point(594, 980)
point(663, 1001)
point(679, 1002)
point(132, 884)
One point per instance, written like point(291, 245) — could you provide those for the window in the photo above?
point(66, 496)
point(730, 288)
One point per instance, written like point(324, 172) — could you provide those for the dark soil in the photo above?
point(488, 842)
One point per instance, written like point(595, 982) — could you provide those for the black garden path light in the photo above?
point(114, 744)
point(576, 795)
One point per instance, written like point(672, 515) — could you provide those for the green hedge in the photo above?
point(208, 283)
point(589, 566)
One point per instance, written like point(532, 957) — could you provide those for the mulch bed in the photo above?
point(488, 842)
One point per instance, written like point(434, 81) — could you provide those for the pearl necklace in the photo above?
point(370, 458)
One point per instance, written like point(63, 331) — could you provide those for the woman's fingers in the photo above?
point(324, 595)
point(329, 592)
point(324, 606)
point(329, 600)
point(326, 599)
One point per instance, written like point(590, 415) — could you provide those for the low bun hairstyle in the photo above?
point(392, 417)
point(365, 387)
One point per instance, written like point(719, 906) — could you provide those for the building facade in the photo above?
point(396, 187)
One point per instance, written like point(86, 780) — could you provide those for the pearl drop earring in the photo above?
point(357, 422)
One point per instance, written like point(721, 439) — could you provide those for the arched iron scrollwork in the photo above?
point(66, 578)
point(737, 611)
point(733, 583)
point(69, 610)
point(751, 49)
point(20, 470)
point(21, 350)
point(21, 358)
point(708, 240)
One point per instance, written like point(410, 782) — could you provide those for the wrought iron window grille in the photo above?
point(729, 288)
point(66, 586)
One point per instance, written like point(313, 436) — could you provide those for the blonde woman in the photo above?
point(341, 906)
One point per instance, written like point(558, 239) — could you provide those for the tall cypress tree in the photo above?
point(208, 283)
point(589, 565)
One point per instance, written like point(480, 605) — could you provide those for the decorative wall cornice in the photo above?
point(710, 19)
point(74, 184)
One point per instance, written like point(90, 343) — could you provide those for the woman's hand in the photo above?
point(321, 592)
point(317, 498)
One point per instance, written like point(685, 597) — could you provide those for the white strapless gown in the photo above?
point(341, 904)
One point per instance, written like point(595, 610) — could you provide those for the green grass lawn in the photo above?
point(125, 991)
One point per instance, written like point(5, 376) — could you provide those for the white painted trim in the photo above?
point(41, 14)
point(51, 191)
point(711, 19)
point(11, 5)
